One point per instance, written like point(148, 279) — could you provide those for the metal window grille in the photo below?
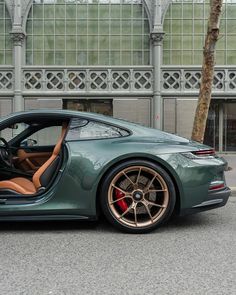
point(5, 40)
point(185, 26)
point(80, 32)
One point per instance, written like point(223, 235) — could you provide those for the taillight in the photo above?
point(203, 153)
point(200, 154)
point(216, 185)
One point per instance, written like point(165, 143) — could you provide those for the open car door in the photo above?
point(33, 150)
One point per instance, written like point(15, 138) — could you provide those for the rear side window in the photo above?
point(84, 129)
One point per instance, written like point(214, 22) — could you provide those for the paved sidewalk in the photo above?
point(231, 174)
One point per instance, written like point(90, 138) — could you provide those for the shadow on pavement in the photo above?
point(175, 223)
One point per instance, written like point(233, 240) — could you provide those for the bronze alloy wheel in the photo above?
point(138, 196)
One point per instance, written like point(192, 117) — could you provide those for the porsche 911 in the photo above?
point(67, 165)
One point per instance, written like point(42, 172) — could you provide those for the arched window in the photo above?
point(185, 26)
point(87, 32)
point(5, 39)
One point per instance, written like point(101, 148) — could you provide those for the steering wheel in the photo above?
point(5, 153)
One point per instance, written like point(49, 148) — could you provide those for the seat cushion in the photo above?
point(19, 184)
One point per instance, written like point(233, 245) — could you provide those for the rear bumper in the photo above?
point(214, 200)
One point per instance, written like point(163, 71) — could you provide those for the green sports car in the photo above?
point(57, 164)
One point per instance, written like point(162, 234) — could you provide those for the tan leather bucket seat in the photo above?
point(24, 186)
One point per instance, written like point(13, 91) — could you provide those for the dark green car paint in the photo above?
point(75, 191)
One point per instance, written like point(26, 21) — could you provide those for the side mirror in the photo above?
point(29, 142)
point(14, 126)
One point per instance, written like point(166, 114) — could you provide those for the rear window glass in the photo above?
point(85, 129)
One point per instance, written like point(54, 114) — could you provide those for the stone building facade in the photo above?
point(134, 59)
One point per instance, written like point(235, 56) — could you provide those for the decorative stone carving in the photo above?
point(6, 80)
point(120, 80)
point(55, 80)
point(76, 80)
point(190, 79)
point(157, 37)
point(89, 80)
point(142, 80)
point(33, 80)
point(17, 38)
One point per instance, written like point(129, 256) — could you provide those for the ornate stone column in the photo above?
point(18, 39)
point(157, 41)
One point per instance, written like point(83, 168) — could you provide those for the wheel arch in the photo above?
point(156, 160)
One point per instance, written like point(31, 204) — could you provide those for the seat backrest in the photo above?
point(43, 175)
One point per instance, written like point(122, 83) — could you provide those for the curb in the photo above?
point(233, 190)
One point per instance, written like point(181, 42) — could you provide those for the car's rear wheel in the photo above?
point(137, 196)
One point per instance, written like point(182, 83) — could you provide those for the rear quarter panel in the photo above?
point(90, 160)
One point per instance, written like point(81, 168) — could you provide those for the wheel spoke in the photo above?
point(150, 183)
point(155, 191)
point(126, 211)
point(138, 176)
point(135, 215)
point(148, 210)
point(155, 205)
point(119, 189)
point(129, 179)
point(124, 197)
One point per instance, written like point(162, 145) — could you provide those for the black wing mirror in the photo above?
point(29, 142)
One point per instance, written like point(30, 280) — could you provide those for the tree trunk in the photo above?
point(204, 98)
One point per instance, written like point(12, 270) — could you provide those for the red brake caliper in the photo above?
point(122, 204)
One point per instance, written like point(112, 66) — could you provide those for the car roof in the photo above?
point(137, 130)
point(51, 113)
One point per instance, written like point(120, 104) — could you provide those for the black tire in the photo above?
point(111, 207)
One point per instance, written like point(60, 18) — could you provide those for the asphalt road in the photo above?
point(190, 255)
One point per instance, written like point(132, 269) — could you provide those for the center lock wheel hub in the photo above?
point(137, 196)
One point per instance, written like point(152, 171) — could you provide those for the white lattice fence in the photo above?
point(88, 80)
point(188, 80)
point(6, 80)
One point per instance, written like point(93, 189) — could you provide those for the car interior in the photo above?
point(31, 154)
